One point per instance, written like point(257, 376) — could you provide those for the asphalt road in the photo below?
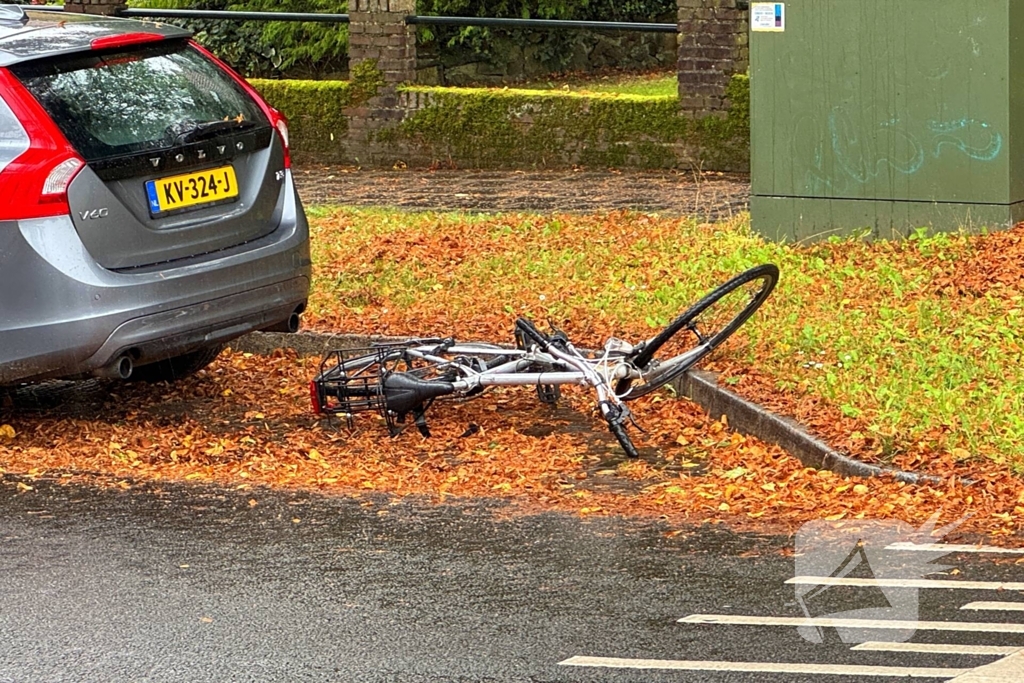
point(195, 584)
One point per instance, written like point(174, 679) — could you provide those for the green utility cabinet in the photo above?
point(886, 115)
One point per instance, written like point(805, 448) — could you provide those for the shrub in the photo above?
point(274, 48)
point(315, 111)
point(554, 49)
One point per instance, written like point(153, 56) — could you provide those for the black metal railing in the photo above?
point(232, 15)
point(414, 19)
point(493, 22)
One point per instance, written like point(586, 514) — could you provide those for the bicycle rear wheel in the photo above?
point(708, 324)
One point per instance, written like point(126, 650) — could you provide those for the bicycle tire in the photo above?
point(662, 372)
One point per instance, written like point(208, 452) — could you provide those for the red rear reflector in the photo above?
point(125, 39)
point(314, 396)
point(277, 118)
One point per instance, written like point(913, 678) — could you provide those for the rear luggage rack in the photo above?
point(351, 381)
point(382, 378)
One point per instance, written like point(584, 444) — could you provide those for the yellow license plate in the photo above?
point(191, 189)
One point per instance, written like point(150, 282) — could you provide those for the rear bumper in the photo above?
point(162, 335)
point(61, 314)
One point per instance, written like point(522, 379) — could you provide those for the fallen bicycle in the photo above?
point(397, 380)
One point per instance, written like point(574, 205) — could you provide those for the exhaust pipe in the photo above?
point(289, 326)
point(120, 369)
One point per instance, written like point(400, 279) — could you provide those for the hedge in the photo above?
point(492, 127)
point(317, 121)
point(478, 127)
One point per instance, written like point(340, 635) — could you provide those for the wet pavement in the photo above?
point(201, 584)
point(709, 196)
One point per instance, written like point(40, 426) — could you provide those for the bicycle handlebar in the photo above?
point(616, 414)
point(620, 433)
point(530, 330)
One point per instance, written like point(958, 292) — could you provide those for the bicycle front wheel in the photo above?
point(699, 331)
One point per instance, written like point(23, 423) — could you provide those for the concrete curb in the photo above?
point(753, 420)
point(700, 387)
point(304, 343)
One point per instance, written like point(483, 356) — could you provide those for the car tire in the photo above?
point(178, 367)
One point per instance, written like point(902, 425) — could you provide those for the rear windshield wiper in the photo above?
point(210, 129)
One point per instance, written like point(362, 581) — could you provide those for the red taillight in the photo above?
point(277, 119)
point(124, 40)
point(314, 397)
point(34, 184)
point(281, 124)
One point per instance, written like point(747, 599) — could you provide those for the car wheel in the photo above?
point(177, 367)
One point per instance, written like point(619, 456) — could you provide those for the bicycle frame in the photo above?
point(587, 373)
point(366, 383)
point(507, 374)
point(402, 379)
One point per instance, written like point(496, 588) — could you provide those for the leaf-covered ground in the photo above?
point(245, 422)
point(907, 353)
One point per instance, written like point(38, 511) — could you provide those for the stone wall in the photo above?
point(527, 58)
point(377, 32)
point(445, 127)
point(476, 128)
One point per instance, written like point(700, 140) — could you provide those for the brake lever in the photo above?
point(634, 423)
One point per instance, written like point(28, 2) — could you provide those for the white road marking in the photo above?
point(938, 648)
point(1004, 606)
point(1006, 670)
point(908, 583)
point(953, 548)
point(765, 667)
point(829, 622)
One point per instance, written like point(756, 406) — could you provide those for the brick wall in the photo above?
point(377, 31)
point(713, 45)
point(104, 7)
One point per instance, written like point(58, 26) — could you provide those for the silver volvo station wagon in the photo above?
point(147, 209)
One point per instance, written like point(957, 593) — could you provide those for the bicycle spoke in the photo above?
point(692, 327)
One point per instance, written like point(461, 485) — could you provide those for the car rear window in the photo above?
point(126, 102)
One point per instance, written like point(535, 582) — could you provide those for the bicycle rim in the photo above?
point(700, 330)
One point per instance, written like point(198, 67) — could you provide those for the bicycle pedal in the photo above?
point(549, 393)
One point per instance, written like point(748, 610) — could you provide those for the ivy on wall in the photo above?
point(506, 127)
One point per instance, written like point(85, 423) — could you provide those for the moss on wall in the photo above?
point(315, 110)
point(507, 127)
point(475, 127)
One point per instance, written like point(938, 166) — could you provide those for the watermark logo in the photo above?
point(878, 574)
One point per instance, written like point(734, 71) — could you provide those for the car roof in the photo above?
point(45, 33)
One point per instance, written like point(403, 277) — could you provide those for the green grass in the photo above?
point(655, 85)
point(867, 328)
